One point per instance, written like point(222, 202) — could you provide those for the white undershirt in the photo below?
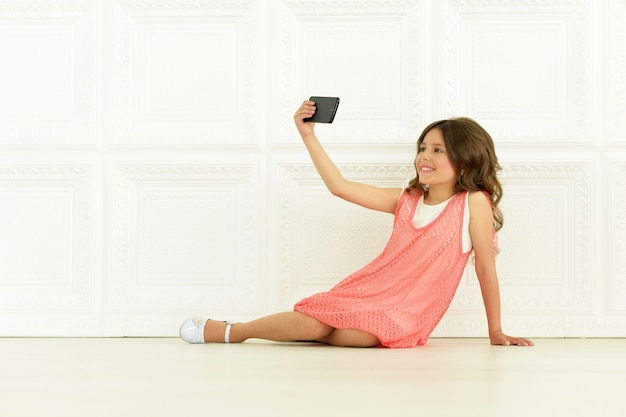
point(424, 214)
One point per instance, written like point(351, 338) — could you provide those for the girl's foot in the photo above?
point(198, 330)
point(192, 330)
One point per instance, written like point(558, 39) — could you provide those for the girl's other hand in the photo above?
point(500, 338)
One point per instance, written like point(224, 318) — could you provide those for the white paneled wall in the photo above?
point(150, 169)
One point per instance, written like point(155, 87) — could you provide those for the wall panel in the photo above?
point(616, 69)
point(185, 74)
point(48, 75)
point(616, 296)
point(368, 53)
point(521, 67)
point(185, 237)
point(150, 169)
point(48, 247)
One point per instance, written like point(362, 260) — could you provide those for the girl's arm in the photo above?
point(481, 231)
point(369, 196)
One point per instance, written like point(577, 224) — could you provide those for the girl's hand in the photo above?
point(499, 338)
point(306, 110)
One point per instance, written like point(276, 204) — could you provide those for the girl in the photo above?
point(447, 211)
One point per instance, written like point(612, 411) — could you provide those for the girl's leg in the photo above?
point(289, 326)
point(350, 338)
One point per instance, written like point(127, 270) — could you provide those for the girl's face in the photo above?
point(432, 163)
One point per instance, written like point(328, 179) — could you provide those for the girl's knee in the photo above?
point(314, 327)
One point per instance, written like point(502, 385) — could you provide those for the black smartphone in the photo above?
point(325, 109)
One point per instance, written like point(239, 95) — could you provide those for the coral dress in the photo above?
point(402, 294)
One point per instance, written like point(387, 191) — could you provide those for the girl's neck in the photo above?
point(436, 195)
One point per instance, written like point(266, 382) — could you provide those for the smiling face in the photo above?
point(455, 155)
point(433, 165)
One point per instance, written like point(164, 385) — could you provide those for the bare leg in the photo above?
point(350, 337)
point(290, 326)
point(281, 327)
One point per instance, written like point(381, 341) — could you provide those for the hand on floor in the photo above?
point(499, 338)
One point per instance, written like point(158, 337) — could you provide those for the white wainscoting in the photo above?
point(150, 169)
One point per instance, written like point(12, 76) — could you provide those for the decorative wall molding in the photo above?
point(474, 324)
point(203, 217)
point(533, 87)
point(47, 261)
point(617, 71)
point(617, 240)
point(60, 324)
point(517, 5)
point(185, 74)
point(55, 107)
point(380, 98)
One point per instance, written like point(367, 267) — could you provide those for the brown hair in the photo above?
point(472, 153)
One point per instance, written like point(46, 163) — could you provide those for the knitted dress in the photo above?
point(402, 294)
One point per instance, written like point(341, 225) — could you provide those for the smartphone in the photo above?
point(325, 109)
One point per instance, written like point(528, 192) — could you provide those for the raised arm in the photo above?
point(369, 196)
point(481, 231)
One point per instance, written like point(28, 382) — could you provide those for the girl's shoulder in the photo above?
point(479, 202)
point(479, 198)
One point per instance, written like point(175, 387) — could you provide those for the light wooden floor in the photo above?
point(447, 377)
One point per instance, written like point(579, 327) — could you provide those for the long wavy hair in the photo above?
point(472, 153)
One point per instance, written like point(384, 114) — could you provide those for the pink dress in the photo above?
point(402, 294)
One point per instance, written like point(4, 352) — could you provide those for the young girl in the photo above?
point(449, 209)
